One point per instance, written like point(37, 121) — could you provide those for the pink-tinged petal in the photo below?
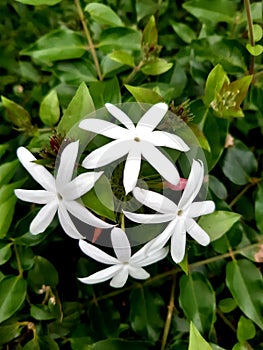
point(148, 218)
point(145, 256)
point(155, 201)
point(152, 118)
point(179, 187)
point(120, 116)
point(178, 242)
point(43, 218)
point(196, 232)
point(83, 214)
point(120, 278)
point(96, 253)
point(67, 223)
point(80, 185)
point(96, 234)
point(201, 208)
point(120, 244)
point(193, 185)
point(101, 276)
point(138, 273)
point(160, 241)
point(37, 171)
point(162, 138)
point(162, 164)
point(105, 128)
point(35, 196)
point(107, 154)
point(132, 168)
point(67, 164)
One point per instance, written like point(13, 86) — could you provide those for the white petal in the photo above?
point(107, 154)
point(120, 278)
point(96, 253)
point(197, 233)
point(121, 244)
point(155, 201)
point(138, 273)
point(201, 208)
point(83, 214)
point(37, 171)
point(193, 185)
point(67, 164)
point(160, 241)
point(132, 168)
point(152, 117)
point(101, 276)
point(43, 218)
point(67, 223)
point(80, 185)
point(120, 115)
point(178, 242)
point(145, 256)
point(104, 128)
point(35, 196)
point(162, 164)
point(162, 138)
point(149, 218)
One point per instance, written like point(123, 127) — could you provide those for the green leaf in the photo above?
point(33, 344)
point(105, 91)
point(7, 210)
point(150, 34)
point(196, 341)
point(245, 329)
point(245, 283)
point(5, 252)
point(258, 32)
point(217, 187)
point(218, 223)
point(227, 305)
point(9, 330)
point(259, 207)
point(120, 38)
point(16, 114)
point(49, 111)
point(44, 312)
point(255, 50)
point(59, 44)
point(12, 295)
point(123, 57)
point(145, 315)
point(42, 273)
point(184, 32)
point(197, 299)
point(156, 67)
point(103, 14)
point(7, 171)
point(39, 2)
point(146, 8)
point(75, 72)
point(144, 95)
point(214, 84)
point(116, 344)
point(239, 163)
point(239, 346)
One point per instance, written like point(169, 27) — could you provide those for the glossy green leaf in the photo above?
point(9, 330)
point(196, 341)
point(217, 187)
point(197, 299)
point(42, 273)
point(33, 344)
point(103, 14)
point(218, 223)
point(259, 207)
point(184, 32)
point(245, 329)
point(105, 91)
point(214, 84)
point(44, 312)
point(7, 209)
point(150, 34)
point(118, 344)
point(39, 2)
point(12, 295)
point(245, 283)
point(146, 318)
point(258, 32)
point(239, 346)
point(49, 111)
point(120, 38)
point(156, 67)
point(123, 57)
point(146, 8)
point(227, 305)
point(75, 71)
point(7, 171)
point(16, 114)
point(255, 50)
point(5, 252)
point(144, 95)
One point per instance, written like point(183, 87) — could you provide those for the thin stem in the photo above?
point(243, 191)
point(18, 260)
point(251, 34)
point(169, 316)
point(133, 73)
point(226, 321)
point(89, 39)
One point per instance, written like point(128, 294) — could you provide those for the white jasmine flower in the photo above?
point(180, 217)
point(60, 193)
point(124, 264)
point(135, 141)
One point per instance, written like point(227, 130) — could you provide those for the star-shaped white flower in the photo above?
point(124, 264)
point(180, 217)
point(60, 193)
point(135, 141)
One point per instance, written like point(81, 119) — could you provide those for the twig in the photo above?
point(251, 34)
point(19, 265)
point(169, 316)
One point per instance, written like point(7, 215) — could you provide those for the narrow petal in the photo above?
point(201, 208)
point(160, 241)
point(178, 242)
point(83, 214)
point(132, 168)
point(145, 257)
point(155, 201)
point(35, 196)
point(96, 253)
point(152, 117)
point(162, 138)
point(67, 223)
point(43, 218)
point(107, 154)
point(104, 127)
point(138, 273)
point(80, 185)
point(101, 276)
point(149, 218)
point(121, 244)
point(162, 164)
point(193, 185)
point(120, 115)
point(120, 278)
point(196, 232)
point(37, 171)
point(67, 164)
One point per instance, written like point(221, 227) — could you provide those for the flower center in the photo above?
point(137, 139)
point(180, 212)
point(59, 197)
